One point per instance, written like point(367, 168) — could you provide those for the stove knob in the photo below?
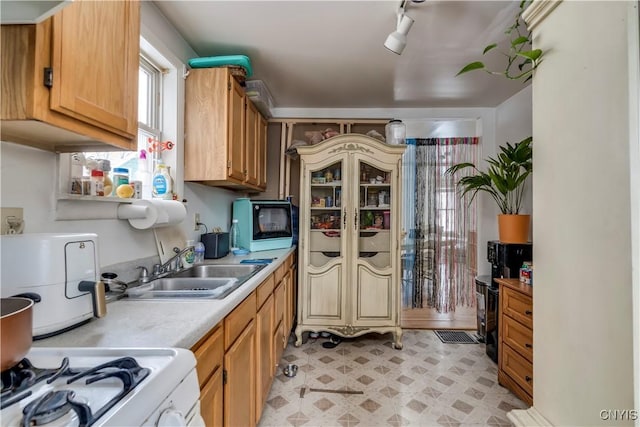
point(171, 418)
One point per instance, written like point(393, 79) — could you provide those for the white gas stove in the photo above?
point(102, 387)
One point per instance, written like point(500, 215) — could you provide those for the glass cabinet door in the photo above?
point(374, 217)
point(326, 214)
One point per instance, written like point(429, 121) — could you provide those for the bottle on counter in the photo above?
point(105, 166)
point(233, 235)
point(199, 253)
point(120, 177)
point(97, 183)
point(189, 256)
point(162, 183)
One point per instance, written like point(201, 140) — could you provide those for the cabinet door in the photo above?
point(95, 62)
point(372, 272)
point(211, 401)
point(235, 140)
point(278, 330)
point(251, 141)
point(239, 391)
point(324, 231)
point(262, 152)
point(265, 353)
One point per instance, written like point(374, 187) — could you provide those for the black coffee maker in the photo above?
point(506, 260)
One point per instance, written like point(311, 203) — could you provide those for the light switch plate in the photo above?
point(10, 213)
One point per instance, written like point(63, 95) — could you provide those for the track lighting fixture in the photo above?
point(397, 40)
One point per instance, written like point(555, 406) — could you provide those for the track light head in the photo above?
point(397, 40)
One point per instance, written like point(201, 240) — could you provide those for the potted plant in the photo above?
point(504, 181)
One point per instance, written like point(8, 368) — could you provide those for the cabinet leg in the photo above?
point(298, 342)
point(397, 339)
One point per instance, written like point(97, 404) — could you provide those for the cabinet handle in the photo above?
point(528, 312)
point(344, 218)
point(355, 220)
point(528, 378)
point(528, 345)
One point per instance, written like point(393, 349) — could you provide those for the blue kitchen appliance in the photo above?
point(263, 224)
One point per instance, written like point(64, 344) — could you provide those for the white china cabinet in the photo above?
point(349, 274)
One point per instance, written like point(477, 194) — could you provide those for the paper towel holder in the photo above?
point(72, 208)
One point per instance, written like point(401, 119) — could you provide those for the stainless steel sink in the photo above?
point(212, 281)
point(221, 270)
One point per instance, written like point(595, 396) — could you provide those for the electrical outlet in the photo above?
point(196, 226)
point(11, 221)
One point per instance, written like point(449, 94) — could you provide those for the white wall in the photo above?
point(513, 124)
point(583, 323)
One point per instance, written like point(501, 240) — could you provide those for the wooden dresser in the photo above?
point(515, 348)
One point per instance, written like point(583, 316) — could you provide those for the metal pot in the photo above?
point(15, 329)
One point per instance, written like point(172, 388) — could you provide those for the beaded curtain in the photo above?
point(439, 250)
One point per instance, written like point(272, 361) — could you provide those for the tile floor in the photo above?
point(427, 383)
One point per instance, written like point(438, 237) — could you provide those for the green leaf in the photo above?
point(531, 54)
point(520, 40)
point(488, 48)
point(470, 67)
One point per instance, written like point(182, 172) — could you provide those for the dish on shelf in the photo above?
point(331, 233)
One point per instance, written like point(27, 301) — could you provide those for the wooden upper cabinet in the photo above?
point(71, 82)
point(221, 132)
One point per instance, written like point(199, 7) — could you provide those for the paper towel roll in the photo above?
point(157, 213)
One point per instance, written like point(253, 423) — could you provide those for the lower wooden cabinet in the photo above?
point(515, 344)
point(238, 359)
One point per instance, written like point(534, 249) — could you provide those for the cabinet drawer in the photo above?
point(518, 368)
point(518, 336)
point(264, 290)
point(279, 273)
point(517, 306)
point(328, 241)
point(209, 355)
point(240, 317)
point(374, 241)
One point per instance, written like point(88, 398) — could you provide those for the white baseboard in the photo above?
point(527, 418)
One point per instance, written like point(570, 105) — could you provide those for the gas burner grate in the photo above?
point(455, 337)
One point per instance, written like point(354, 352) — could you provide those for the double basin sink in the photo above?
point(211, 281)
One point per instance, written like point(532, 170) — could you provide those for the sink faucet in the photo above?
point(161, 270)
point(166, 267)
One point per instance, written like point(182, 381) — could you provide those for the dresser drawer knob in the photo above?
point(528, 345)
point(528, 312)
point(528, 378)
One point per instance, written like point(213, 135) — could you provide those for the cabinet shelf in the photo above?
point(107, 199)
point(328, 184)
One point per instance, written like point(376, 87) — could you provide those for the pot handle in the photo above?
point(31, 295)
point(97, 296)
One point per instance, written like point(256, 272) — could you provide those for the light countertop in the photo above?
point(164, 323)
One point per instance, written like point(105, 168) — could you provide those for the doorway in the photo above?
point(440, 241)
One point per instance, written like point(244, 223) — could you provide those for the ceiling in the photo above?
point(330, 54)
